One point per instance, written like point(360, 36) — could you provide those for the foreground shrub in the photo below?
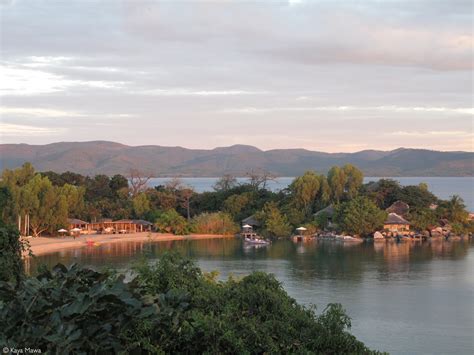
point(169, 307)
point(214, 223)
point(171, 221)
point(11, 249)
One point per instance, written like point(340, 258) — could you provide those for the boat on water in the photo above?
point(348, 238)
point(252, 238)
point(256, 240)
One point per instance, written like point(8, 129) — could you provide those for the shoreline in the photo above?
point(45, 245)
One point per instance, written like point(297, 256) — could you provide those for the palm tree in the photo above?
point(456, 209)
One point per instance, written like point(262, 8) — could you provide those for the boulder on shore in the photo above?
point(378, 235)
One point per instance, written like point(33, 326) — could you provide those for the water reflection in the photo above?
point(407, 297)
point(327, 259)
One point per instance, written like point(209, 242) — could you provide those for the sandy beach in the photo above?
point(45, 245)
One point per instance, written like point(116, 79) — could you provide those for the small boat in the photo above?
point(250, 237)
point(256, 240)
point(348, 238)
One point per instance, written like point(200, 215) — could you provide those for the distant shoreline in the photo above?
point(46, 245)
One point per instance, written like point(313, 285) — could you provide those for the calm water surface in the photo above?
point(443, 187)
point(406, 298)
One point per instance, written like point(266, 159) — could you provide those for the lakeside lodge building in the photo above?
point(107, 226)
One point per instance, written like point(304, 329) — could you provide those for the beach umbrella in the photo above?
point(62, 230)
point(246, 226)
point(76, 230)
point(301, 229)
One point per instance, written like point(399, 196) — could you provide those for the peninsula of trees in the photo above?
point(48, 199)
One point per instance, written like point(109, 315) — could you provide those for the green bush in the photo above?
point(171, 221)
point(169, 307)
point(11, 250)
point(214, 223)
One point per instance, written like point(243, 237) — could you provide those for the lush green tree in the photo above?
point(11, 251)
point(98, 188)
point(305, 189)
point(141, 204)
point(322, 220)
point(422, 219)
point(14, 180)
point(416, 196)
point(354, 179)
point(118, 182)
point(171, 307)
point(253, 315)
point(6, 200)
point(295, 216)
point(74, 196)
point(46, 206)
point(324, 191)
point(454, 210)
point(171, 221)
point(359, 216)
point(79, 311)
point(274, 222)
point(337, 182)
point(383, 192)
point(214, 223)
point(161, 198)
point(235, 204)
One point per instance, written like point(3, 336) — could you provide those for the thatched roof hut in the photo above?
point(399, 207)
point(394, 218)
point(76, 223)
point(251, 221)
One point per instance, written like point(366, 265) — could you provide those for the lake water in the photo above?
point(406, 298)
point(443, 187)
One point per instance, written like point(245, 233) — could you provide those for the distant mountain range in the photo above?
point(101, 157)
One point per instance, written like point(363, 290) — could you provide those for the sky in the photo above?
point(335, 76)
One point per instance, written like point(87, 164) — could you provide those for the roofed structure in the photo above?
point(329, 210)
point(252, 221)
point(141, 222)
point(76, 221)
point(399, 207)
point(394, 218)
point(396, 223)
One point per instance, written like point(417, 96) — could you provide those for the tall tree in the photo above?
point(46, 206)
point(423, 219)
point(274, 222)
point(138, 181)
point(141, 204)
point(337, 182)
point(454, 210)
point(12, 248)
point(354, 178)
point(185, 195)
point(324, 190)
point(225, 183)
point(359, 216)
point(305, 189)
point(118, 182)
point(259, 178)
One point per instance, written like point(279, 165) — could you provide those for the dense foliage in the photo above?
point(170, 307)
point(47, 199)
point(11, 250)
point(360, 216)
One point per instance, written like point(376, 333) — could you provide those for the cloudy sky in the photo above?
point(322, 75)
